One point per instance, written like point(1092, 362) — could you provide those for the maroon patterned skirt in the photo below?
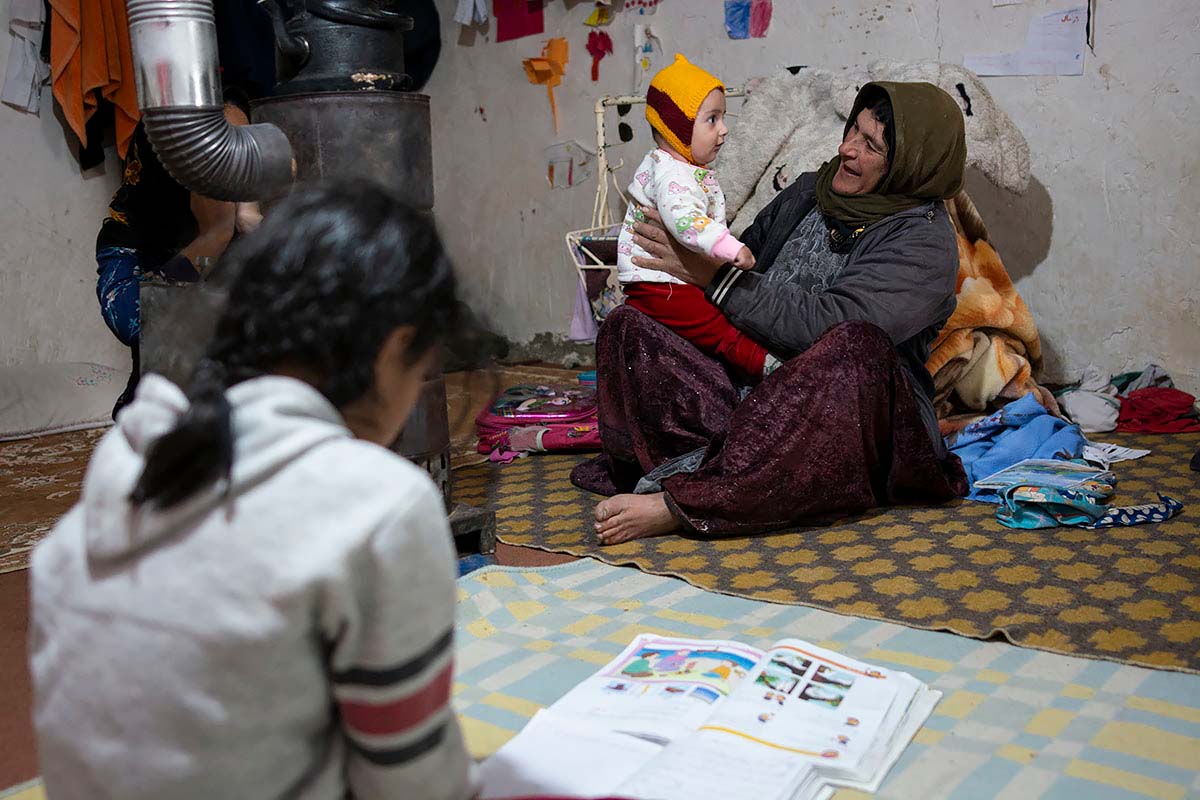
point(832, 432)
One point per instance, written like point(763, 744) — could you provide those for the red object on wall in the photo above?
point(760, 18)
point(517, 18)
point(599, 45)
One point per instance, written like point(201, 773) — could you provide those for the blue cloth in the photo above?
point(468, 564)
point(737, 19)
point(118, 287)
point(118, 291)
point(1020, 430)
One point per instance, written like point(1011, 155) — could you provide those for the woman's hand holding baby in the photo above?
point(668, 255)
point(744, 259)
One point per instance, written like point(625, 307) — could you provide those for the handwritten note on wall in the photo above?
point(1053, 46)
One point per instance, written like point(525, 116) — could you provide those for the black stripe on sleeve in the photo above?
point(401, 755)
point(386, 677)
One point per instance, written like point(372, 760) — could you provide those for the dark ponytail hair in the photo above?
point(198, 450)
point(329, 274)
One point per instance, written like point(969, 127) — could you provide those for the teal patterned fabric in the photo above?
point(1031, 507)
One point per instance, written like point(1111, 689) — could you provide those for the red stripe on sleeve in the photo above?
point(399, 715)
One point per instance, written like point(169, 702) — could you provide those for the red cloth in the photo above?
point(685, 310)
point(1158, 409)
point(517, 18)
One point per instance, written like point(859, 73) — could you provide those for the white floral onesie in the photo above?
point(692, 207)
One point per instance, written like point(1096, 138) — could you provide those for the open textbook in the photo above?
point(1049, 473)
point(693, 718)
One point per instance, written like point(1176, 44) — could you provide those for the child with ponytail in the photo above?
point(254, 596)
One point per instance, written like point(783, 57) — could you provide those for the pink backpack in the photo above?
point(535, 419)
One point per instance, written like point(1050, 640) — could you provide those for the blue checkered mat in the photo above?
point(1014, 723)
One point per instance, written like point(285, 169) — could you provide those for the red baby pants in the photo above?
point(684, 309)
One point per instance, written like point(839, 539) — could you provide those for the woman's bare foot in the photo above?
point(633, 516)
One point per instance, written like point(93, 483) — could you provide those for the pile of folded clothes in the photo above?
point(1032, 465)
point(1145, 401)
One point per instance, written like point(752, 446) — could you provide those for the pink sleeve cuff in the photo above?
point(726, 248)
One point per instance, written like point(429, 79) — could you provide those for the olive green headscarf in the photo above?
point(928, 162)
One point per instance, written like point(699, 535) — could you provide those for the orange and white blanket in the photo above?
point(989, 350)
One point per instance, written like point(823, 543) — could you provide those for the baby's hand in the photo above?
point(744, 259)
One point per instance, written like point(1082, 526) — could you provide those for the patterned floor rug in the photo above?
point(1012, 723)
point(40, 478)
point(1128, 594)
point(39, 482)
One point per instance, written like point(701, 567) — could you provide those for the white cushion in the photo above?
point(37, 399)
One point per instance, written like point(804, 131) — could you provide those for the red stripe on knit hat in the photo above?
point(399, 715)
point(671, 114)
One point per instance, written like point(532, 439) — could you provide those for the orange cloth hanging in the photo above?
point(91, 60)
point(121, 90)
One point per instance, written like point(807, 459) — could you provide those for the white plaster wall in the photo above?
point(49, 218)
point(1103, 246)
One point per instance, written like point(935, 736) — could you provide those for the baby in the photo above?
point(686, 109)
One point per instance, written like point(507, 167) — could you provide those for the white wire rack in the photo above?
point(594, 248)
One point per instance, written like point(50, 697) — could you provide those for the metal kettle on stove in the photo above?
point(338, 45)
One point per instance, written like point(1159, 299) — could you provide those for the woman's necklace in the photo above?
point(842, 240)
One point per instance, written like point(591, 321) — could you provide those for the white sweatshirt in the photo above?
point(293, 639)
point(692, 207)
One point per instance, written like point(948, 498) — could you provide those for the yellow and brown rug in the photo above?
point(1127, 594)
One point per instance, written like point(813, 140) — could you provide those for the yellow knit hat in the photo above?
point(674, 99)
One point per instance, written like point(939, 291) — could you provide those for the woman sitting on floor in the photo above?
point(856, 271)
point(255, 597)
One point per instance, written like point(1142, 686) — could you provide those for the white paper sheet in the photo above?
point(561, 756)
point(922, 706)
point(1105, 454)
point(709, 767)
point(647, 56)
point(1053, 46)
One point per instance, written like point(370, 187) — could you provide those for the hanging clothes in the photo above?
point(25, 72)
point(471, 12)
point(91, 62)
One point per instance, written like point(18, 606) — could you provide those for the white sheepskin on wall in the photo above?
point(791, 124)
